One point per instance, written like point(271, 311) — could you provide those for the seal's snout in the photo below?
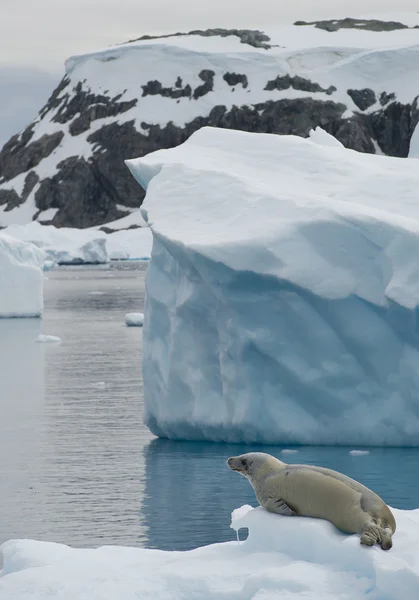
point(236, 463)
point(233, 463)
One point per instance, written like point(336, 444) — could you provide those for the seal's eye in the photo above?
point(244, 463)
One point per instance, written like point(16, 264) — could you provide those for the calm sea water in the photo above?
point(78, 466)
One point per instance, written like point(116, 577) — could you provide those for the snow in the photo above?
point(134, 319)
point(47, 339)
point(85, 246)
point(283, 557)
point(21, 278)
point(284, 275)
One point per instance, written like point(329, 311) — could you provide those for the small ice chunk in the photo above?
point(288, 451)
point(134, 319)
point(358, 452)
point(99, 384)
point(47, 338)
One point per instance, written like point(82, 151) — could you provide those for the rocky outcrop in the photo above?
point(251, 37)
point(155, 88)
point(20, 154)
point(297, 83)
point(363, 98)
point(234, 79)
point(349, 23)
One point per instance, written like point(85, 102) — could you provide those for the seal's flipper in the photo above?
point(279, 507)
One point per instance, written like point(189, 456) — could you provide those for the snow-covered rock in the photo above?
point(287, 558)
point(282, 293)
point(134, 319)
point(355, 78)
point(66, 246)
point(21, 278)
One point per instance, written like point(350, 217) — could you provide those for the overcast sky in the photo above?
point(45, 32)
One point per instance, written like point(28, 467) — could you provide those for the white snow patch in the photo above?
point(134, 319)
point(287, 558)
point(47, 215)
point(320, 136)
point(21, 278)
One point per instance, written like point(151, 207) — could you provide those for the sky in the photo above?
point(43, 33)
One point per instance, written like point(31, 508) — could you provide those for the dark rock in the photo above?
point(31, 180)
point(93, 201)
point(16, 157)
point(297, 83)
point(392, 128)
point(363, 98)
point(207, 77)
point(155, 88)
point(54, 101)
point(386, 98)
point(252, 37)
point(235, 79)
point(110, 230)
point(356, 134)
point(10, 198)
point(349, 23)
point(90, 107)
point(99, 111)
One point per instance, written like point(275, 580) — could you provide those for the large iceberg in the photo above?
point(282, 293)
point(21, 278)
point(283, 557)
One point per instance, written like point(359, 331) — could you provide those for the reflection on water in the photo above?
point(77, 464)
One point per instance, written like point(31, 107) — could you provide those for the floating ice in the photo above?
point(283, 292)
point(21, 278)
point(134, 319)
point(283, 557)
point(288, 451)
point(85, 246)
point(358, 452)
point(47, 339)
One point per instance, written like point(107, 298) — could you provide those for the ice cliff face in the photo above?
point(356, 79)
point(21, 278)
point(282, 293)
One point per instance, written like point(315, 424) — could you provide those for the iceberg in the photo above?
point(21, 278)
point(282, 557)
point(282, 292)
point(134, 319)
point(70, 246)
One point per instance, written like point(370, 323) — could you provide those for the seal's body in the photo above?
point(309, 491)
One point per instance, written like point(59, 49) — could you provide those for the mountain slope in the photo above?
point(67, 167)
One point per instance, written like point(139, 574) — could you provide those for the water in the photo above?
point(77, 464)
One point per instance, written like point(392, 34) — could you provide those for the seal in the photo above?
point(308, 491)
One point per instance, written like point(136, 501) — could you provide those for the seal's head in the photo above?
point(254, 464)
